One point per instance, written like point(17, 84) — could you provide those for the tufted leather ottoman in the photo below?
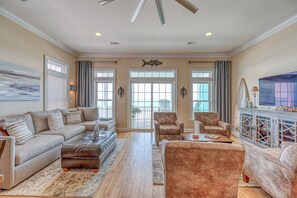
point(87, 152)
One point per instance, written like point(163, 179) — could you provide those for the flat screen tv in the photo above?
point(279, 90)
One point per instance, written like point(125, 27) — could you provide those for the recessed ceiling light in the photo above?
point(114, 43)
point(98, 34)
point(208, 33)
point(191, 43)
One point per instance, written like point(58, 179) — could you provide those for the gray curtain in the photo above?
point(223, 89)
point(84, 84)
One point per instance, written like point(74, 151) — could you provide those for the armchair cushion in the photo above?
point(169, 130)
point(165, 118)
point(208, 118)
point(214, 130)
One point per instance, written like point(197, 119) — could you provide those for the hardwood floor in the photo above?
point(131, 174)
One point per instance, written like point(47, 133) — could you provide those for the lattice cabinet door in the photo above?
point(287, 130)
point(264, 131)
point(246, 121)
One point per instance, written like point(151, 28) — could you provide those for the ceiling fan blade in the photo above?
point(137, 11)
point(160, 11)
point(188, 4)
point(104, 2)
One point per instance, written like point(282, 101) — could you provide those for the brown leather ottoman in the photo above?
point(87, 152)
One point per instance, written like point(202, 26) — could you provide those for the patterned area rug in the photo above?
point(53, 181)
point(158, 174)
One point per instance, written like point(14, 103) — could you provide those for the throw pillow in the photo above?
point(40, 119)
point(73, 117)
point(55, 121)
point(20, 130)
point(90, 114)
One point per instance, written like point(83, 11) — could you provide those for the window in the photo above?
point(202, 82)
point(56, 84)
point(152, 74)
point(104, 87)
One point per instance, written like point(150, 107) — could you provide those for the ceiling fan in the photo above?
point(186, 3)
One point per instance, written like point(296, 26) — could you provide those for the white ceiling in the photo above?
point(74, 22)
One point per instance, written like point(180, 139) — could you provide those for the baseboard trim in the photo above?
point(189, 130)
point(122, 130)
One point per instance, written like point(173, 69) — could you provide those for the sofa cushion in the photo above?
point(107, 125)
point(73, 117)
point(26, 117)
point(90, 125)
point(89, 113)
point(19, 130)
point(64, 111)
point(68, 132)
point(40, 119)
point(55, 121)
point(169, 130)
point(214, 130)
point(289, 157)
point(36, 146)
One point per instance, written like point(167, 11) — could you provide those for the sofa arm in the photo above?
point(226, 126)
point(180, 125)
point(199, 127)
point(7, 162)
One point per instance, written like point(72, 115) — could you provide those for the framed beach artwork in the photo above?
point(18, 83)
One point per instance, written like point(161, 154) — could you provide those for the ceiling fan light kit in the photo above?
point(185, 3)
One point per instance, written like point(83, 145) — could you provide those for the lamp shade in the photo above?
point(255, 89)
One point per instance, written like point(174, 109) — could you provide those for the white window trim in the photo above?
point(105, 79)
point(47, 71)
point(201, 79)
point(131, 80)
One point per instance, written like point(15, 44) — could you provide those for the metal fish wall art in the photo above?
point(152, 63)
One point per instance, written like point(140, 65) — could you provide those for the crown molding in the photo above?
point(35, 30)
point(161, 55)
point(290, 21)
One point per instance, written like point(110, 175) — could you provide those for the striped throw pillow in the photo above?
point(73, 117)
point(20, 130)
point(55, 121)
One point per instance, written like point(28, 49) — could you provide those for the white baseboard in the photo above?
point(122, 130)
point(189, 130)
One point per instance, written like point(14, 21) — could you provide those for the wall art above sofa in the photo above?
point(18, 83)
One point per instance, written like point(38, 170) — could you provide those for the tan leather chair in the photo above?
point(273, 169)
point(167, 126)
point(209, 122)
point(195, 169)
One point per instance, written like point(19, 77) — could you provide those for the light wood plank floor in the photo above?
point(131, 173)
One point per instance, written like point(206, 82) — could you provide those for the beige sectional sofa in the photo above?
point(19, 162)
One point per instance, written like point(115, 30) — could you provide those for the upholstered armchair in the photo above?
point(195, 169)
point(167, 126)
point(273, 169)
point(209, 122)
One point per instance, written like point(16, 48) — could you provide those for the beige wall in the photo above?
point(183, 78)
point(275, 55)
point(21, 47)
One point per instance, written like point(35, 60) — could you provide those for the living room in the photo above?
point(89, 54)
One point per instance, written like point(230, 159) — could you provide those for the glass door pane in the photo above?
point(105, 99)
point(141, 102)
point(162, 97)
point(201, 97)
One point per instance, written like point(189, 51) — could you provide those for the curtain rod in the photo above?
point(101, 61)
point(201, 62)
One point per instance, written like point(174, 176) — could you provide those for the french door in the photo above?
point(147, 98)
